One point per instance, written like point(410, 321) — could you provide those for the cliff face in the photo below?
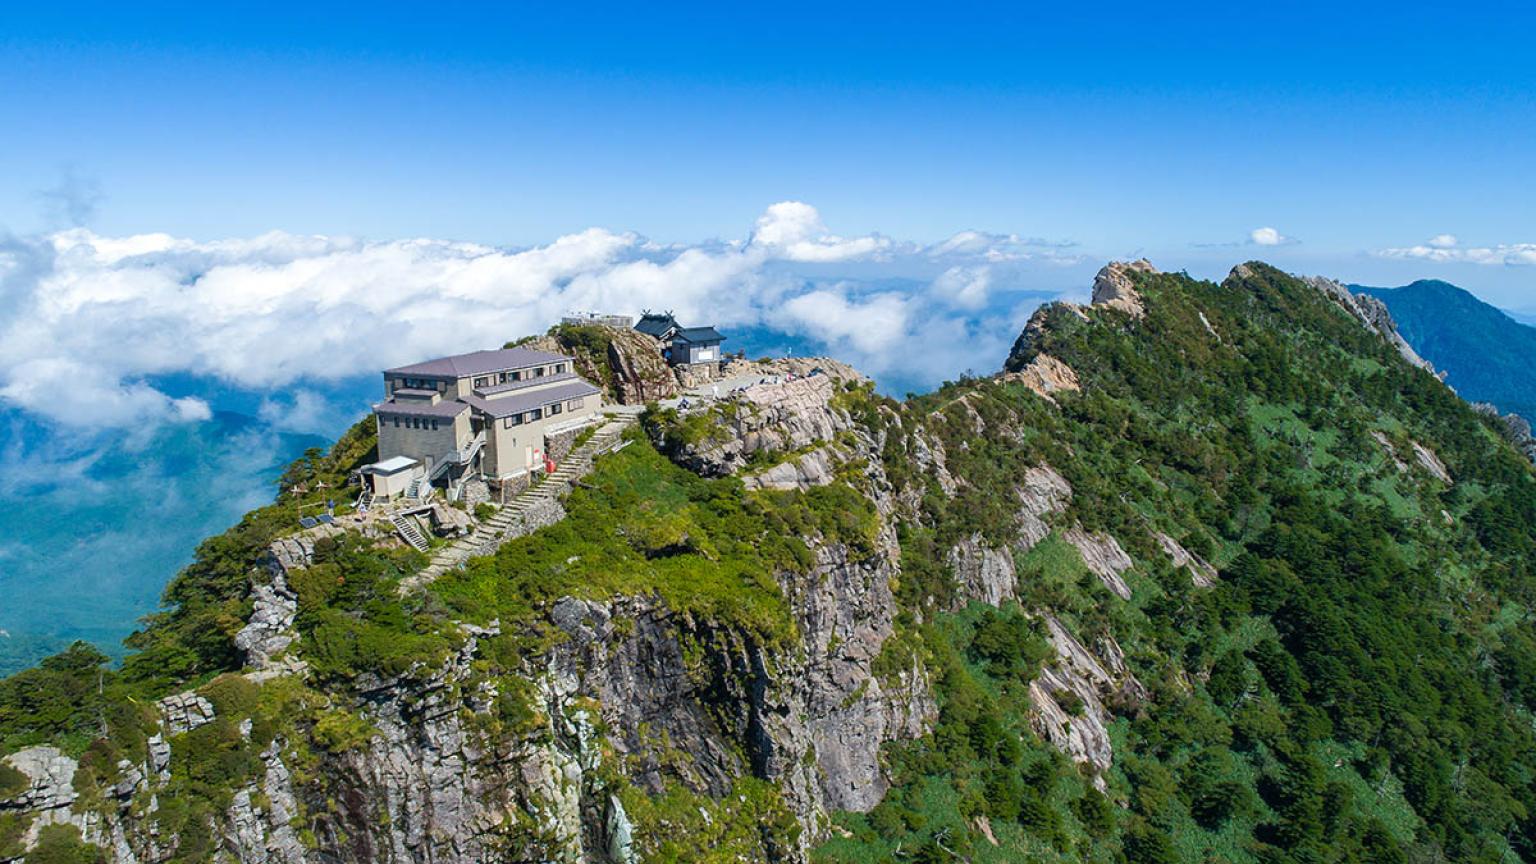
point(1014, 597)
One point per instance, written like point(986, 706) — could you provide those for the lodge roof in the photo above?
point(478, 363)
point(697, 335)
point(519, 401)
point(421, 408)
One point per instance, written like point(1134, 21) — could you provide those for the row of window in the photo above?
point(419, 384)
point(416, 422)
point(538, 414)
point(519, 375)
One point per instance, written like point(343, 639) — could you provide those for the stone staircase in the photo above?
point(491, 533)
point(408, 532)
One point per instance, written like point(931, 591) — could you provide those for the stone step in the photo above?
point(577, 463)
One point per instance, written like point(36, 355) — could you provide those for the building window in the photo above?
point(538, 371)
point(535, 414)
point(434, 424)
point(556, 409)
point(576, 404)
point(516, 376)
point(483, 382)
point(397, 421)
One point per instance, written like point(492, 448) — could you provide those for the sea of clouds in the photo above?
point(90, 323)
point(151, 385)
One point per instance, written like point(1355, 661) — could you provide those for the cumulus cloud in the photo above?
point(1445, 249)
point(792, 230)
point(90, 324)
point(1267, 237)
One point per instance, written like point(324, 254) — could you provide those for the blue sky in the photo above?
point(1348, 127)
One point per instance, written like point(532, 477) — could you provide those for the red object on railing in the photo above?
point(549, 465)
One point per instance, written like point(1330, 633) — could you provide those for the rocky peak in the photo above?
point(1115, 286)
point(628, 363)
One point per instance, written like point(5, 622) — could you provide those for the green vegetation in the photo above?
point(749, 823)
point(1356, 687)
point(61, 844)
point(12, 782)
point(207, 602)
point(1486, 355)
point(641, 525)
point(1359, 685)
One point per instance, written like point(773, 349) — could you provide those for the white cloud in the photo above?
point(1268, 237)
point(1508, 254)
point(793, 231)
point(89, 324)
point(872, 326)
point(963, 287)
point(63, 389)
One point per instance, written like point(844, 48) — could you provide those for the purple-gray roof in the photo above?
point(421, 408)
point(479, 363)
point(518, 402)
point(510, 386)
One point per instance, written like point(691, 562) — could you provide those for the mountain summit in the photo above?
point(1208, 572)
point(1487, 355)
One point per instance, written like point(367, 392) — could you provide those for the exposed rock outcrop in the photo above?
point(1372, 313)
point(816, 468)
point(982, 573)
point(1104, 557)
point(1202, 574)
point(627, 362)
point(1069, 700)
point(1045, 375)
point(184, 712)
point(1424, 457)
point(786, 415)
point(1514, 428)
point(1430, 462)
point(269, 631)
point(1115, 287)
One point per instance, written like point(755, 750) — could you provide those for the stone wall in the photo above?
point(559, 444)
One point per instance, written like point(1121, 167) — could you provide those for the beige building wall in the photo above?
point(518, 448)
point(392, 485)
point(429, 445)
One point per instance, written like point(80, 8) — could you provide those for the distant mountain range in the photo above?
point(1487, 354)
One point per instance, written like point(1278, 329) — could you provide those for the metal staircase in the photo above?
point(489, 533)
point(409, 532)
